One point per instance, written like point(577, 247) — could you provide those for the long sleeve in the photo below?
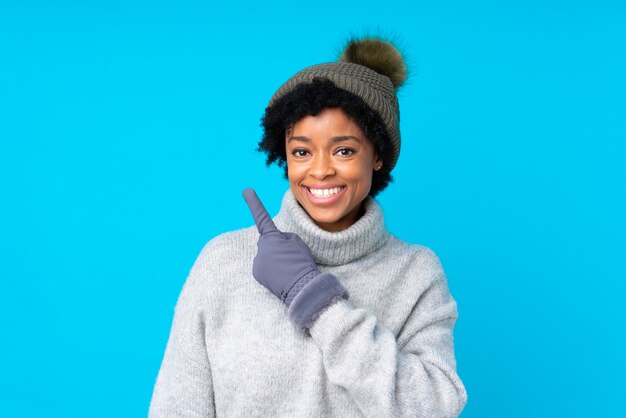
point(184, 385)
point(413, 375)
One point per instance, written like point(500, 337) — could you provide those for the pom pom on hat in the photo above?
point(378, 55)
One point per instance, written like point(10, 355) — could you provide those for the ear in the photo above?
point(378, 162)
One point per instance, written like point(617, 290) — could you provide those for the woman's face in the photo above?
point(330, 164)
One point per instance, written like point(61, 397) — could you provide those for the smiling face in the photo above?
point(330, 164)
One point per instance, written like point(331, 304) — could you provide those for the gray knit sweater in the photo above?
point(386, 351)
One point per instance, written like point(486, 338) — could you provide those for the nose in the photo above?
point(321, 167)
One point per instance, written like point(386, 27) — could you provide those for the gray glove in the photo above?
point(285, 266)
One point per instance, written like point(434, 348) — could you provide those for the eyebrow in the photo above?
point(333, 139)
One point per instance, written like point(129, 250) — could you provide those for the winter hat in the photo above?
point(370, 68)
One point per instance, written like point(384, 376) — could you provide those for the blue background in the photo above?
point(128, 130)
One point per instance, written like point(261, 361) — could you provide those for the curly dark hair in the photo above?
point(309, 100)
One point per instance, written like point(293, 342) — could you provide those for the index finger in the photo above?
point(262, 219)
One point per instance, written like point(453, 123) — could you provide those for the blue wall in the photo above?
point(128, 130)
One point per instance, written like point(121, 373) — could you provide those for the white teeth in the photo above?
point(324, 192)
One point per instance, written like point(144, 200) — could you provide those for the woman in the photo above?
point(321, 312)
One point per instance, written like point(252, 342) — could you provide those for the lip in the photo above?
point(323, 186)
point(324, 201)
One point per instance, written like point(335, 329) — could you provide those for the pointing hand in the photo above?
point(284, 265)
point(282, 258)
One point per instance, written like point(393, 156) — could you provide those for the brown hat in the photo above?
point(372, 69)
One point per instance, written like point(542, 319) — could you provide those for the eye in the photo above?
point(298, 152)
point(345, 152)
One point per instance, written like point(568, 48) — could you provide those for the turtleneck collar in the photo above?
point(366, 235)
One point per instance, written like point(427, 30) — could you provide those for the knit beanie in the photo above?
point(370, 68)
